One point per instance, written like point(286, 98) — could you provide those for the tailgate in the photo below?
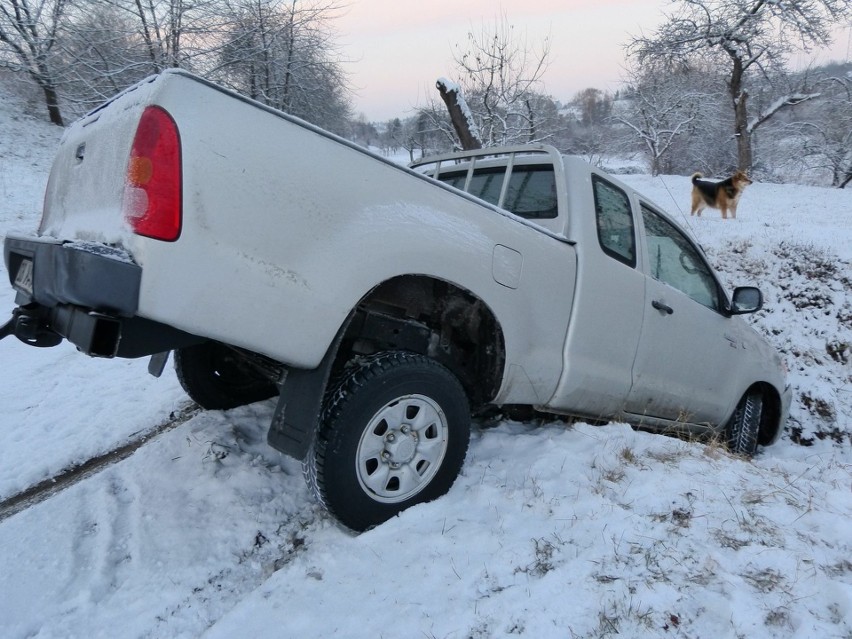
point(83, 200)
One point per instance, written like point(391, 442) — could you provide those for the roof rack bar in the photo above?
point(507, 175)
point(437, 171)
point(469, 175)
point(462, 156)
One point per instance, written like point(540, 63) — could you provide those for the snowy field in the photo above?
point(551, 531)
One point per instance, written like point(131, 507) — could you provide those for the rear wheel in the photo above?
point(217, 377)
point(743, 429)
point(394, 432)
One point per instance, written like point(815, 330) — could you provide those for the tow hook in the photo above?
point(29, 324)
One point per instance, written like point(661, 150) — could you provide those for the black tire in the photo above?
point(216, 377)
point(744, 428)
point(394, 432)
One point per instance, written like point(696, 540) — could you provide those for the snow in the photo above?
point(553, 530)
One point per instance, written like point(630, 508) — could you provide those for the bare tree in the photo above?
point(85, 50)
point(751, 37)
point(28, 35)
point(172, 32)
point(595, 106)
point(282, 53)
point(412, 135)
point(364, 132)
point(100, 53)
point(594, 143)
point(500, 78)
point(664, 105)
point(391, 136)
point(826, 133)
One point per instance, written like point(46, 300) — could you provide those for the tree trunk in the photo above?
point(146, 36)
point(739, 97)
point(52, 101)
point(531, 116)
point(451, 95)
point(288, 65)
point(744, 151)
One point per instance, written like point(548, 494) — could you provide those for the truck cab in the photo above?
point(652, 335)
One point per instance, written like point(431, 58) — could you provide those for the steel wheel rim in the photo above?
point(401, 449)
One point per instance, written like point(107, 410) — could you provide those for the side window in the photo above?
point(486, 184)
point(614, 216)
point(675, 261)
point(531, 192)
point(455, 180)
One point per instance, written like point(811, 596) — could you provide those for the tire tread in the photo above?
point(340, 392)
point(744, 427)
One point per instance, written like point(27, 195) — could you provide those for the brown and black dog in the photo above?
point(724, 195)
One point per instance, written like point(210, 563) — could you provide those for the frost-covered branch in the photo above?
point(777, 105)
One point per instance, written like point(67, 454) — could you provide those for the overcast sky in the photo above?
point(398, 48)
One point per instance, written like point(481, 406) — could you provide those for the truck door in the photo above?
point(606, 321)
point(688, 344)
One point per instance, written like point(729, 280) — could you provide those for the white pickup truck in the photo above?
point(383, 305)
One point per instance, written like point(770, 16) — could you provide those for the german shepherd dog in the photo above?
point(724, 195)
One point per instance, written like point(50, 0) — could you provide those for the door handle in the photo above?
point(660, 306)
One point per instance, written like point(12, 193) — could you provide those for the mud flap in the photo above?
point(157, 363)
point(300, 403)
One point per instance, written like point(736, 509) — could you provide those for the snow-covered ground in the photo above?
point(551, 531)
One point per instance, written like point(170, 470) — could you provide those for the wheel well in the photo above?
point(432, 317)
point(771, 414)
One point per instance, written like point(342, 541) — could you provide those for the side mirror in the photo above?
point(746, 299)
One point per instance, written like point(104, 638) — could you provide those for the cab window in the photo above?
point(673, 259)
point(614, 217)
point(531, 192)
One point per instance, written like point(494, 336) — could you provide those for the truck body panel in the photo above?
point(286, 266)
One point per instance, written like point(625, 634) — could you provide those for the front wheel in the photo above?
point(744, 428)
point(393, 433)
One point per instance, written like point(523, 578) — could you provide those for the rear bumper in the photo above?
point(88, 275)
point(86, 293)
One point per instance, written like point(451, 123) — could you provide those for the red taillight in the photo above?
point(152, 190)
